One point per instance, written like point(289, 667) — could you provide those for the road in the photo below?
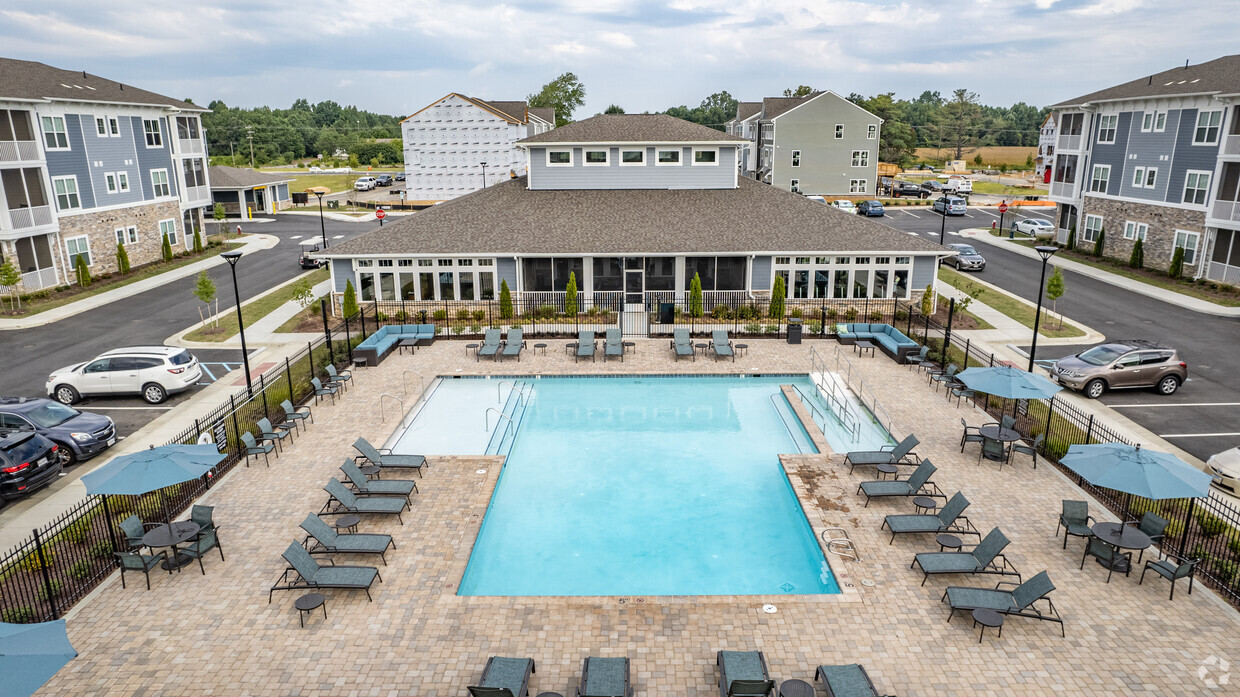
point(1201, 416)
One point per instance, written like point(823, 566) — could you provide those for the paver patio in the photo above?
point(217, 635)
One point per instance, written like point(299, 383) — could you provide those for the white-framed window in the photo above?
point(1147, 122)
point(464, 262)
point(114, 127)
point(860, 158)
point(443, 262)
point(1106, 128)
point(120, 235)
point(667, 158)
point(1101, 175)
point(839, 131)
point(795, 186)
point(101, 125)
point(122, 180)
point(1208, 123)
point(1196, 188)
point(559, 158)
point(705, 157)
point(871, 131)
point(159, 182)
point(66, 189)
point(1151, 177)
point(109, 179)
point(132, 233)
point(78, 247)
point(154, 134)
point(54, 135)
point(1160, 122)
point(1093, 227)
point(1188, 241)
point(486, 262)
point(168, 228)
point(856, 186)
point(367, 263)
point(633, 158)
point(1144, 177)
point(796, 158)
point(426, 262)
point(596, 158)
point(1135, 231)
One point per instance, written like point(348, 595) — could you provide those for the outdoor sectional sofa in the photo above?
point(377, 346)
point(891, 340)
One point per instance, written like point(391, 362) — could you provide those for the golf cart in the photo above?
point(309, 247)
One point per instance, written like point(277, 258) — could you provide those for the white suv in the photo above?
point(151, 371)
point(364, 183)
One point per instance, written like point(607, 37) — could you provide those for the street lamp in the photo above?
point(943, 223)
point(322, 225)
point(1046, 252)
point(484, 175)
point(232, 258)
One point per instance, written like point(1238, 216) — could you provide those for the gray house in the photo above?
point(245, 193)
point(634, 206)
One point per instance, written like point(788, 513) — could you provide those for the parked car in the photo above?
point(844, 205)
point(1122, 365)
point(931, 186)
point(365, 183)
point(28, 461)
point(154, 372)
point(1225, 467)
point(908, 189)
point(1035, 226)
point(305, 260)
point(400, 176)
point(949, 205)
point(817, 199)
point(384, 180)
point(871, 208)
point(958, 185)
point(965, 258)
point(78, 435)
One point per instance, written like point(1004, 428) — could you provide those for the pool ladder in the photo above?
point(840, 546)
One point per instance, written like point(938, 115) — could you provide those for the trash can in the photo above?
point(667, 313)
point(794, 331)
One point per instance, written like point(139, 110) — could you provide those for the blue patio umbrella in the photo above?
point(30, 654)
point(1132, 470)
point(1008, 382)
point(147, 470)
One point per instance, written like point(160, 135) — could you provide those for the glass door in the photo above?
point(633, 286)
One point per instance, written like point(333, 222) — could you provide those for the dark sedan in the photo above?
point(384, 180)
point(79, 435)
point(28, 461)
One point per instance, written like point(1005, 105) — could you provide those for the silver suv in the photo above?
point(151, 371)
point(1122, 365)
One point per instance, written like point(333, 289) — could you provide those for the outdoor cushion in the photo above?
point(846, 681)
point(605, 677)
point(505, 676)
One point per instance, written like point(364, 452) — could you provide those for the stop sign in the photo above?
point(1003, 207)
point(380, 215)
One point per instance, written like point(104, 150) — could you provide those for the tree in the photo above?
point(348, 305)
point(778, 292)
point(303, 293)
point(564, 94)
point(713, 111)
point(1098, 243)
point(197, 241)
point(122, 259)
point(82, 271)
point(695, 296)
point(800, 91)
point(219, 214)
point(927, 301)
point(10, 277)
point(1072, 236)
point(1136, 260)
point(204, 290)
point(1055, 290)
point(570, 295)
point(1029, 160)
point(505, 301)
point(960, 121)
point(165, 249)
point(614, 109)
point(1176, 269)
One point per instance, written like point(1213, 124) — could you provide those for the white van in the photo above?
point(958, 185)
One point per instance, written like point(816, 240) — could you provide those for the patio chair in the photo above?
point(743, 674)
point(270, 434)
point(514, 343)
point(949, 518)
point(1007, 422)
point(959, 390)
point(885, 455)
point(132, 561)
point(320, 391)
point(613, 345)
point(1153, 525)
point(980, 560)
point(1183, 568)
point(203, 516)
point(504, 677)
point(134, 529)
point(721, 345)
point(1030, 449)
point(491, 343)
point(344, 378)
point(917, 484)
point(328, 541)
point(1075, 520)
point(916, 359)
point(994, 450)
point(971, 434)
point(309, 575)
point(341, 500)
point(1108, 554)
point(203, 543)
point(605, 677)
point(383, 457)
point(253, 448)
point(295, 414)
point(586, 346)
point(376, 487)
point(1018, 602)
point(846, 681)
point(943, 377)
point(682, 345)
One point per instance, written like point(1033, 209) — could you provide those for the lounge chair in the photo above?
point(981, 560)
point(328, 541)
point(271, 434)
point(514, 343)
point(320, 391)
point(614, 345)
point(309, 575)
point(343, 378)
point(1075, 520)
point(846, 681)
point(917, 484)
point(491, 343)
point(383, 457)
point(376, 487)
point(721, 344)
point(341, 500)
point(1109, 555)
point(605, 677)
point(1183, 568)
point(885, 455)
point(294, 414)
point(1153, 525)
point(586, 346)
point(947, 519)
point(1018, 602)
point(253, 448)
point(132, 561)
point(743, 674)
point(682, 345)
point(1030, 449)
point(200, 545)
point(504, 677)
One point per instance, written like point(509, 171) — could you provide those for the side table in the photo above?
point(948, 542)
point(987, 618)
point(309, 603)
point(885, 469)
point(347, 522)
point(471, 347)
point(796, 688)
point(741, 349)
point(925, 504)
point(540, 346)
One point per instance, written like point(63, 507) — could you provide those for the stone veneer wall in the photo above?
point(1159, 240)
point(100, 230)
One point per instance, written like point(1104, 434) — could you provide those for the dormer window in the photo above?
point(596, 158)
point(631, 158)
point(559, 158)
point(669, 157)
point(707, 156)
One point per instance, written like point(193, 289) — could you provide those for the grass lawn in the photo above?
point(64, 295)
point(253, 311)
point(335, 182)
point(1012, 307)
point(998, 189)
point(992, 155)
point(308, 320)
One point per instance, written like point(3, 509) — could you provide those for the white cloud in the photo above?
point(617, 39)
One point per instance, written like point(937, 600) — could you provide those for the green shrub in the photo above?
point(439, 315)
point(76, 533)
point(927, 301)
point(795, 314)
point(778, 291)
point(381, 317)
point(1140, 506)
point(753, 328)
point(165, 249)
point(101, 549)
point(1099, 243)
point(1225, 570)
point(458, 328)
point(1199, 552)
point(876, 316)
point(850, 315)
point(1136, 260)
point(505, 301)
point(475, 328)
point(82, 271)
point(122, 259)
point(901, 315)
point(56, 586)
point(1211, 525)
point(349, 304)
point(17, 615)
point(695, 296)
point(1234, 545)
point(80, 570)
point(478, 315)
point(721, 312)
point(831, 315)
point(545, 311)
point(1177, 263)
point(815, 327)
point(462, 314)
point(31, 561)
point(771, 329)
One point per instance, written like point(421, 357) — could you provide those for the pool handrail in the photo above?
point(850, 549)
point(382, 416)
point(421, 381)
point(842, 412)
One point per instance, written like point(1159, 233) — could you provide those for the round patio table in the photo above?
point(948, 542)
point(987, 618)
point(1005, 435)
point(347, 522)
point(165, 535)
point(885, 469)
point(924, 504)
point(796, 688)
point(1121, 536)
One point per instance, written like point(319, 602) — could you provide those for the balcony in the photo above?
point(1067, 142)
point(19, 151)
point(189, 147)
point(195, 194)
point(22, 218)
point(1226, 210)
point(1231, 145)
point(1063, 190)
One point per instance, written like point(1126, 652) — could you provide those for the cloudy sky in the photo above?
point(395, 56)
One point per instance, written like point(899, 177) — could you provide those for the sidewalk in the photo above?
point(1167, 296)
point(263, 331)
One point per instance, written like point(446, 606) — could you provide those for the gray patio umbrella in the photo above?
point(1008, 382)
point(1145, 473)
point(30, 654)
point(147, 470)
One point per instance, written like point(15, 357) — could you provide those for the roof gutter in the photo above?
point(619, 143)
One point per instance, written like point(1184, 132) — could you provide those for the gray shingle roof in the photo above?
point(223, 177)
point(545, 113)
point(30, 80)
point(1221, 76)
point(631, 128)
point(774, 106)
point(507, 218)
point(514, 109)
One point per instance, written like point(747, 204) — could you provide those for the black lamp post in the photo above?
point(232, 258)
point(322, 225)
point(942, 223)
point(1046, 252)
point(484, 175)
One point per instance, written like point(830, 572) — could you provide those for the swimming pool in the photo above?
point(646, 485)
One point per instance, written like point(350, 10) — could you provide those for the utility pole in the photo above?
point(249, 134)
point(231, 154)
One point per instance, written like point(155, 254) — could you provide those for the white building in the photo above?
point(448, 141)
point(1046, 147)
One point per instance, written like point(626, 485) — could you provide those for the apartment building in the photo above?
point(1155, 159)
point(1046, 147)
point(459, 144)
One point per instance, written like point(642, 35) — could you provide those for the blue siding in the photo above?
point(1189, 156)
point(1150, 149)
point(1110, 154)
point(282, 192)
point(153, 158)
point(924, 268)
point(342, 273)
point(649, 176)
point(62, 163)
point(761, 274)
point(506, 270)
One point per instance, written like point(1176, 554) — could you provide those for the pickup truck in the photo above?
point(908, 189)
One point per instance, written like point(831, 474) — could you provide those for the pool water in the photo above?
point(644, 485)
